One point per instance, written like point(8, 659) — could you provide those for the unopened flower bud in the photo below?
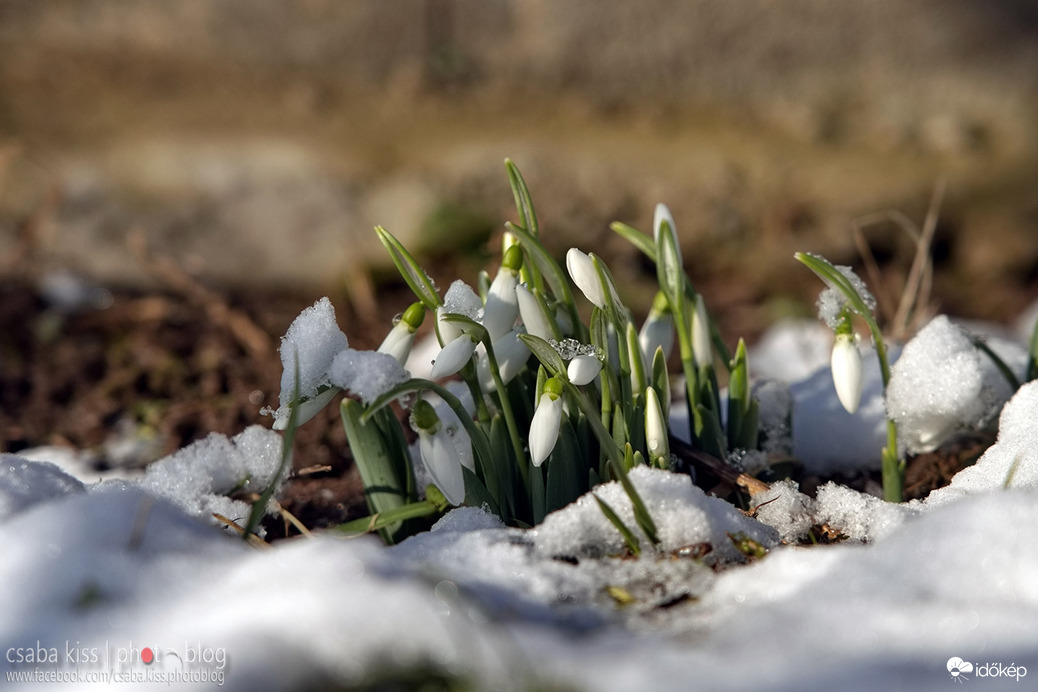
point(847, 371)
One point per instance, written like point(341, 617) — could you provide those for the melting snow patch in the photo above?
point(24, 483)
point(199, 476)
point(939, 385)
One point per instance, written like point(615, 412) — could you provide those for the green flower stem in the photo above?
point(893, 467)
point(259, 507)
point(832, 276)
point(587, 407)
point(1000, 364)
point(506, 409)
point(1032, 354)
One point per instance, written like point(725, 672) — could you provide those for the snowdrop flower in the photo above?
point(585, 276)
point(453, 356)
point(846, 368)
point(511, 354)
point(400, 339)
point(502, 305)
point(439, 454)
point(702, 349)
point(458, 346)
point(658, 329)
point(532, 313)
point(656, 429)
point(583, 369)
point(544, 428)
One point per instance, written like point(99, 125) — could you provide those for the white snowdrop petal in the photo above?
point(531, 313)
point(583, 369)
point(584, 276)
point(544, 428)
point(847, 372)
point(453, 357)
point(502, 304)
point(443, 464)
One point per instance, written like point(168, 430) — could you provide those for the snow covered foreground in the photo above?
point(100, 579)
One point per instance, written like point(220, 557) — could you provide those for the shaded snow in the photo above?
point(118, 566)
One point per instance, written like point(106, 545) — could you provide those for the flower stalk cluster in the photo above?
point(540, 406)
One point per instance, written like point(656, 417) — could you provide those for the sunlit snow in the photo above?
point(100, 572)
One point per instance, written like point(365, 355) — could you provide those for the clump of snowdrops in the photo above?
point(527, 406)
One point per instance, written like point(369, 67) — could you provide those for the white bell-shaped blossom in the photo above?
point(502, 306)
point(544, 428)
point(400, 339)
point(448, 331)
point(584, 275)
point(847, 371)
point(453, 357)
point(511, 354)
point(583, 369)
point(439, 453)
point(532, 313)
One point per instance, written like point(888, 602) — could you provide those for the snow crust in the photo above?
point(943, 383)
point(314, 338)
point(117, 566)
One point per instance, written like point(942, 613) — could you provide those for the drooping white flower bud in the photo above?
point(400, 339)
point(439, 453)
point(847, 371)
point(544, 427)
point(583, 368)
point(453, 357)
point(511, 354)
point(585, 277)
point(532, 313)
point(502, 305)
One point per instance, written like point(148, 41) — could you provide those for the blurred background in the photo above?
point(204, 170)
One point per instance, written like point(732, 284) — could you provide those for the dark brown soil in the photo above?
point(165, 370)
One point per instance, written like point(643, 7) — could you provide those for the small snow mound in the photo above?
point(683, 513)
point(785, 509)
point(468, 519)
point(315, 338)
point(858, 516)
point(198, 477)
point(24, 483)
point(366, 374)
point(460, 299)
point(940, 384)
point(1012, 460)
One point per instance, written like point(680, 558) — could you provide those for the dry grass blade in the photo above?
point(917, 288)
point(252, 539)
point(253, 340)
